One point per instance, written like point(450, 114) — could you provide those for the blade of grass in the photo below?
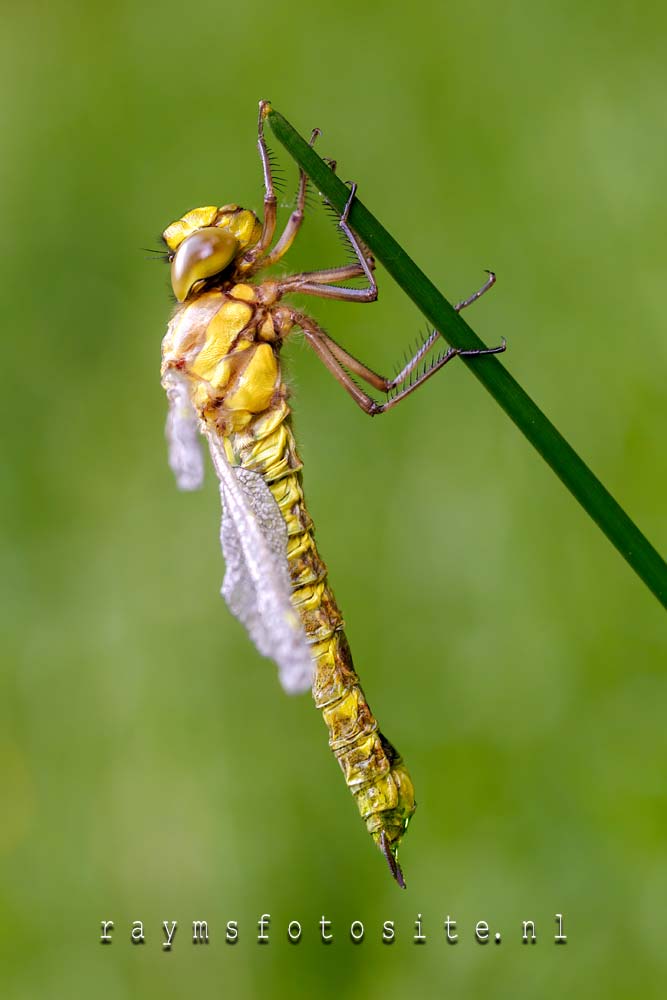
point(552, 446)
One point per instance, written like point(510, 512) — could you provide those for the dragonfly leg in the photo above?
point(293, 223)
point(368, 374)
point(433, 336)
point(489, 283)
point(269, 225)
point(341, 363)
point(342, 358)
point(364, 256)
point(321, 283)
point(440, 362)
point(320, 342)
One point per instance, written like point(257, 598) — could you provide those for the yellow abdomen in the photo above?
point(373, 769)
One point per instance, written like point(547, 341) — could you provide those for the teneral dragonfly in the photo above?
point(221, 371)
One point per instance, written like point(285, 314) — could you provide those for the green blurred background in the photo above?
point(151, 766)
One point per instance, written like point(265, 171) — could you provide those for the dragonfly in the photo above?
point(222, 375)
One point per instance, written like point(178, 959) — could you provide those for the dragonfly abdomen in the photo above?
point(373, 769)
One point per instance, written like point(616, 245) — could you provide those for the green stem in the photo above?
point(552, 446)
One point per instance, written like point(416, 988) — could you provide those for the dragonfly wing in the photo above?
point(257, 585)
point(182, 431)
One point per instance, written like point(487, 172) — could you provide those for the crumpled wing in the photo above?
point(182, 431)
point(257, 585)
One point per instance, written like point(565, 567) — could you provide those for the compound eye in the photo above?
point(205, 253)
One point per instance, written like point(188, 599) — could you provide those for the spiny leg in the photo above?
point(337, 360)
point(293, 223)
point(269, 225)
point(381, 382)
point(321, 344)
point(451, 352)
point(364, 255)
point(423, 350)
point(320, 283)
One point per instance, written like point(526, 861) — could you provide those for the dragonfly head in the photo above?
point(205, 242)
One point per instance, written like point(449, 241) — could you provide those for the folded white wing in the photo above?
point(185, 456)
point(257, 585)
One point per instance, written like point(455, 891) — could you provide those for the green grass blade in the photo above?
point(552, 446)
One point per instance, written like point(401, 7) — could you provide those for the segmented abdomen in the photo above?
point(373, 769)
